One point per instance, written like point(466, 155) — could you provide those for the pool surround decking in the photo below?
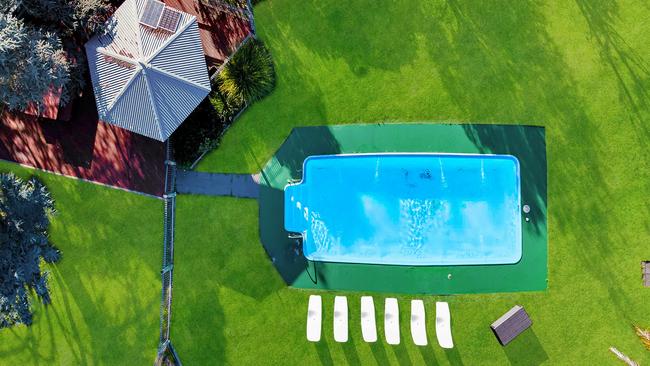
point(526, 143)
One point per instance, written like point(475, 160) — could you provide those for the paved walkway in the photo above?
point(217, 184)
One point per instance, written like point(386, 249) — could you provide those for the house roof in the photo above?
point(147, 80)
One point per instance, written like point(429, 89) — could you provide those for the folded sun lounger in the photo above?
point(443, 325)
point(368, 325)
point(391, 321)
point(314, 316)
point(418, 323)
point(341, 319)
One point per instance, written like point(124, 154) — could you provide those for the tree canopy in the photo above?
point(25, 210)
point(31, 62)
point(41, 47)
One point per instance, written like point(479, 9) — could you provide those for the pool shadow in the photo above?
point(526, 350)
point(285, 253)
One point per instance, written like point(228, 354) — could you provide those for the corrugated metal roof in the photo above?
point(147, 80)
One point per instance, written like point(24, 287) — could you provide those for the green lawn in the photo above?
point(106, 288)
point(581, 69)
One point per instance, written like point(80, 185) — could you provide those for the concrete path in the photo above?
point(217, 184)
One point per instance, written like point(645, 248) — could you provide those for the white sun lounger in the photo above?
point(341, 319)
point(314, 316)
point(368, 325)
point(418, 323)
point(391, 321)
point(443, 325)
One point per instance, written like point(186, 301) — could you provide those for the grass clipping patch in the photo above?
point(644, 336)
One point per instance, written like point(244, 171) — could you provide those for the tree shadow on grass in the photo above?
point(107, 319)
point(631, 71)
point(349, 32)
point(528, 144)
point(402, 354)
point(526, 350)
point(82, 322)
point(379, 352)
point(454, 357)
point(198, 324)
point(428, 353)
point(26, 339)
point(324, 354)
point(350, 352)
point(286, 254)
point(502, 65)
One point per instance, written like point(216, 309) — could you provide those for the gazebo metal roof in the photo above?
point(147, 79)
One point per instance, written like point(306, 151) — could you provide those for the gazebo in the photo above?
point(147, 68)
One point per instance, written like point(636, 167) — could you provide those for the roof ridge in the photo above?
point(154, 105)
point(124, 89)
point(172, 75)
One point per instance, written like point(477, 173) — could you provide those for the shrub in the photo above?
point(247, 77)
point(199, 133)
point(249, 74)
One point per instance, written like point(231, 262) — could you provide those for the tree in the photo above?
point(25, 208)
point(249, 74)
point(72, 22)
point(69, 18)
point(46, 11)
point(90, 17)
point(31, 62)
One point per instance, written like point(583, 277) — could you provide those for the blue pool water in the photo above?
point(408, 209)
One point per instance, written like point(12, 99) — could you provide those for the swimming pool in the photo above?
point(408, 209)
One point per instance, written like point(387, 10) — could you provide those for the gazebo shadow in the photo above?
point(75, 138)
point(84, 147)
